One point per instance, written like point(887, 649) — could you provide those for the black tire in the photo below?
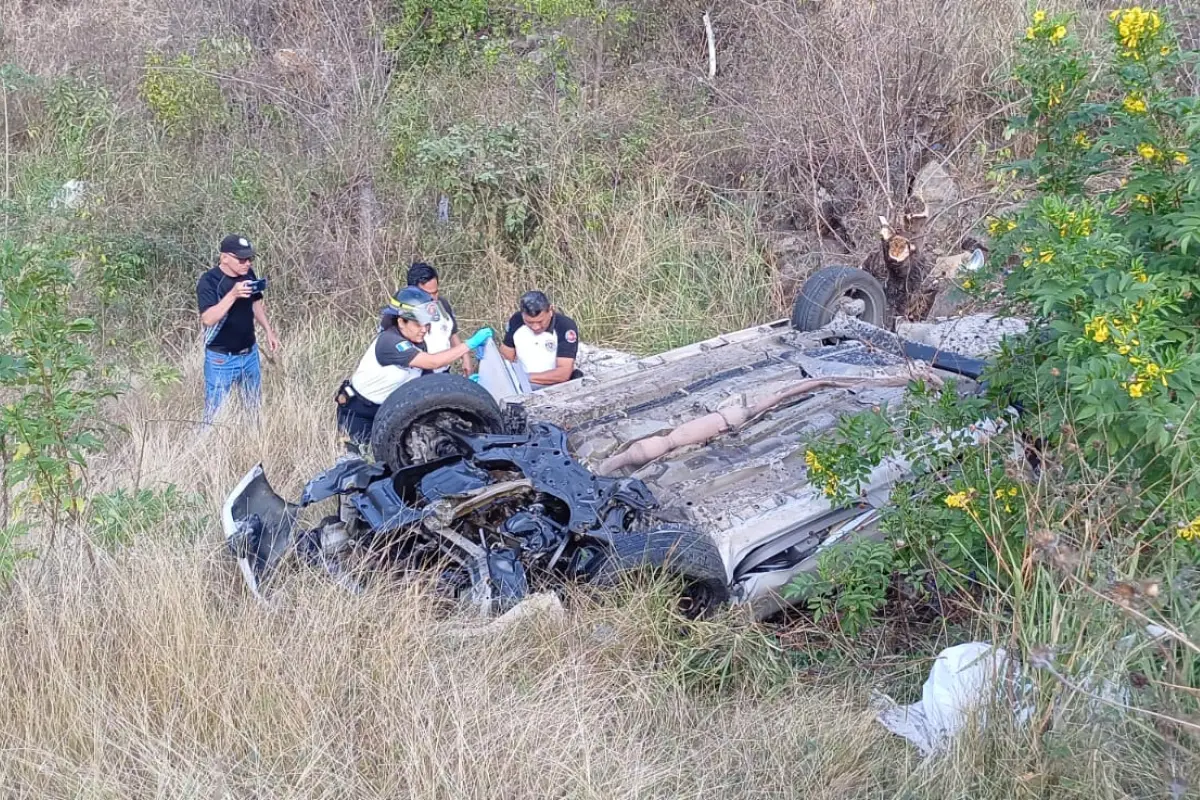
point(821, 294)
point(409, 426)
point(675, 551)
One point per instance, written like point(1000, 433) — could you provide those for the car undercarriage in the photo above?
point(505, 515)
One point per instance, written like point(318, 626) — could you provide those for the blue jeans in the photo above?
point(223, 372)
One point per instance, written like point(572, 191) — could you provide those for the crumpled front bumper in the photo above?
point(259, 527)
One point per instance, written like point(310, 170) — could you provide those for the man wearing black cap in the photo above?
point(229, 307)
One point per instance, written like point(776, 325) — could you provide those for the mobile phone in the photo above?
point(257, 285)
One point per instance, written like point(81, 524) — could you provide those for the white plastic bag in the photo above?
point(964, 679)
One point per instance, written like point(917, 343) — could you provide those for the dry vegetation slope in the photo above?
point(146, 674)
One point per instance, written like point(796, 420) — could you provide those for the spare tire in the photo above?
point(416, 422)
point(837, 288)
point(673, 551)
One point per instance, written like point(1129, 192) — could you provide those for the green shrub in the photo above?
point(475, 29)
point(1107, 377)
point(494, 172)
point(48, 423)
point(183, 93)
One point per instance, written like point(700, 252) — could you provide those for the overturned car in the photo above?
point(689, 464)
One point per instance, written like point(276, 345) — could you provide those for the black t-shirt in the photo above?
point(237, 329)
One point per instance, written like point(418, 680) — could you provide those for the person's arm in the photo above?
point(432, 361)
point(212, 309)
point(563, 367)
point(260, 316)
point(508, 347)
point(468, 362)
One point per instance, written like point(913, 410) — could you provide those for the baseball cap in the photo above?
point(237, 246)
point(413, 303)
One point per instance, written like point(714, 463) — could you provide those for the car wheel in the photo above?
point(834, 289)
point(673, 551)
point(417, 423)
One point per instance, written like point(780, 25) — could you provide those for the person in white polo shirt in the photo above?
point(544, 342)
point(443, 334)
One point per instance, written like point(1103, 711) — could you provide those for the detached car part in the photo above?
point(506, 514)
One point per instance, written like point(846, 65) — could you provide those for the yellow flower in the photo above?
point(1046, 256)
point(1137, 389)
point(1056, 93)
point(1191, 531)
point(958, 500)
point(831, 486)
point(1164, 51)
point(1181, 158)
point(1134, 103)
point(1135, 27)
point(1029, 32)
point(1039, 16)
point(1142, 200)
point(1147, 151)
point(1059, 34)
point(1082, 140)
point(1097, 330)
point(1123, 349)
point(968, 283)
point(813, 463)
point(1153, 370)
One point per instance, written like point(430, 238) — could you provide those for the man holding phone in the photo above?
point(230, 297)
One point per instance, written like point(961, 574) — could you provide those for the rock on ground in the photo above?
point(973, 335)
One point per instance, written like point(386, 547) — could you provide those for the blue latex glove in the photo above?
point(479, 337)
point(474, 376)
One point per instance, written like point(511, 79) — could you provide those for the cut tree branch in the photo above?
point(712, 46)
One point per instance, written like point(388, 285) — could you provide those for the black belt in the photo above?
point(348, 395)
point(225, 351)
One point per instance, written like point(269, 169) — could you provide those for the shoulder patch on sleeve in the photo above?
point(403, 345)
point(572, 337)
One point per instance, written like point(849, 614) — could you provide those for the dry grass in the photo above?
point(148, 678)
